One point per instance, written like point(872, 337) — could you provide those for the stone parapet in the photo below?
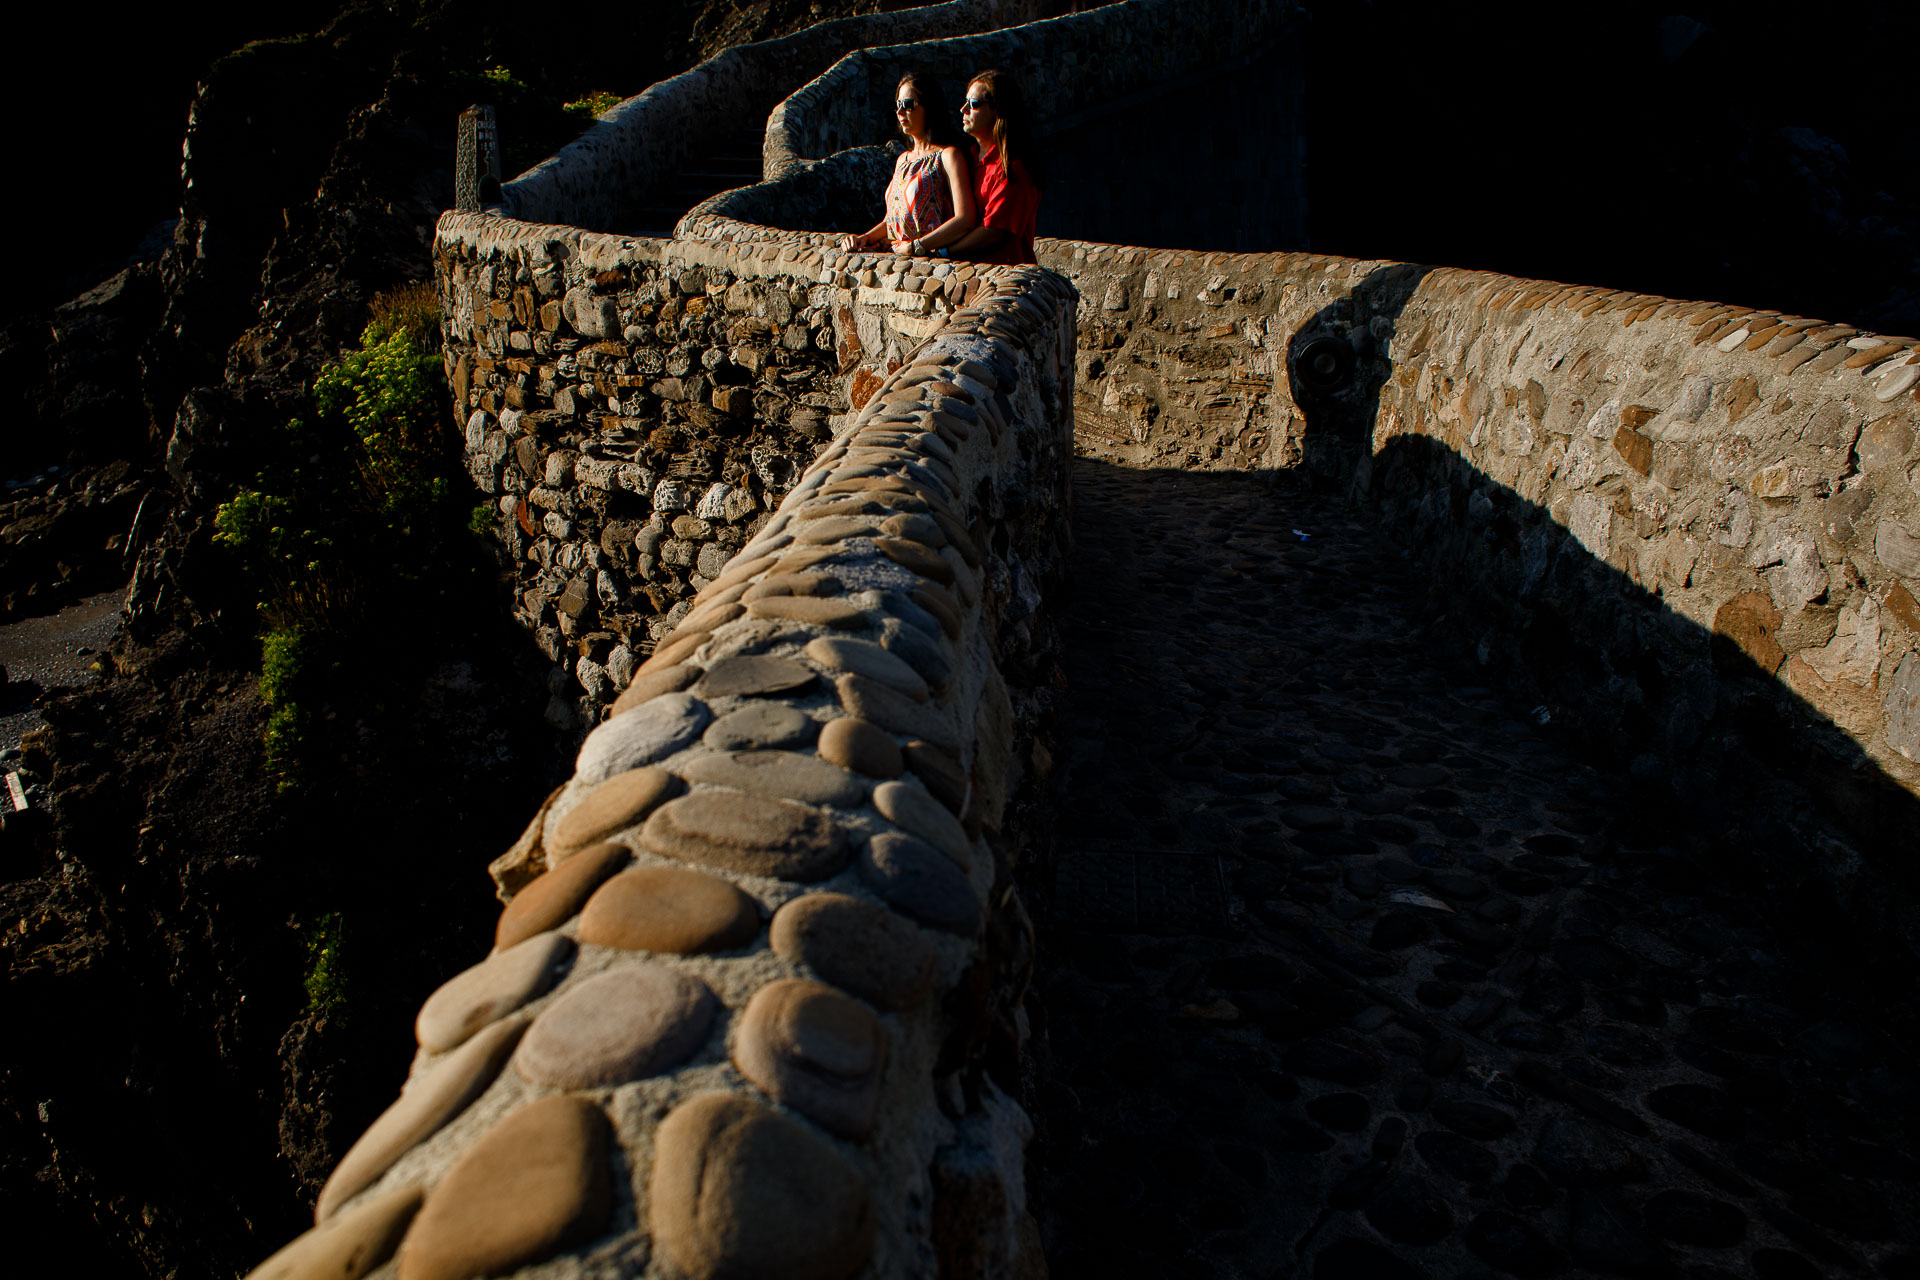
point(842, 194)
point(755, 1003)
point(1182, 359)
point(635, 409)
point(598, 179)
point(1697, 526)
point(1669, 515)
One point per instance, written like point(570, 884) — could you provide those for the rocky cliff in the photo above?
point(190, 952)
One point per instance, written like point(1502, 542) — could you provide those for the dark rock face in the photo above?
point(182, 901)
point(66, 535)
point(174, 893)
point(78, 447)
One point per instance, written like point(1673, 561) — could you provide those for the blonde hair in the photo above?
point(1010, 123)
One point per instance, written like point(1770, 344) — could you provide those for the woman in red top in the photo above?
point(1004, 195)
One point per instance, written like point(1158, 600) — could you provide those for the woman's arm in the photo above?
point(977, 241)
point(986, 238)
point(875, 236)
point(872, 238)
point(960, 187)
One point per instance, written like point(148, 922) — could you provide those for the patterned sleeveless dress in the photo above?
point(918, 199)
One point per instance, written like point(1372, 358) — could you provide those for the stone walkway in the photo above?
point(1353, 970)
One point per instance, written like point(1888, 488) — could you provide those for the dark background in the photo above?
point(1751, 153)
point(97, 163)
point(1632, 145)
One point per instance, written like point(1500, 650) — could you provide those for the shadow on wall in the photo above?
point(1699, 716)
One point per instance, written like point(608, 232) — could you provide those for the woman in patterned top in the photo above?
point(930, 200)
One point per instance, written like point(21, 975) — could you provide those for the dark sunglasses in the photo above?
point(906, 104)
point(974, 104)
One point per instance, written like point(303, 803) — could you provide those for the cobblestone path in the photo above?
point(1352, 970)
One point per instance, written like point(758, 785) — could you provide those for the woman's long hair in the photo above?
point(1012, 128)
point(943, 123)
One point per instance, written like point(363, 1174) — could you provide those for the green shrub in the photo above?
point(355, 526)
point(359, 497)
point(533, 122)
point(508, 84)
point(284, 664)
point(326, 977)
point(414, 307)
point(385, 393)
point(590, 106)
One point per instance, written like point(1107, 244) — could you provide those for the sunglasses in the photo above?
point(906, 104)
point(974, 104)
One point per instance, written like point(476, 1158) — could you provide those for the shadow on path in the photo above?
point(1353, 969)
point(1373, 949)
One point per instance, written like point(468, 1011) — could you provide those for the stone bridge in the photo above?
point(1176, 763)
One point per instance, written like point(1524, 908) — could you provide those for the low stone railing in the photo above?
point(636, 409)
point(597, 179)
point(1666, 514)
point(1747, 479)
point(754, 1005)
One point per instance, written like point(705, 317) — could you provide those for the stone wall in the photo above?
point(1131, 100)
point(755, 1003)
point(635, 409)
point(1693, 527)
point(600, 178)
point(843, 193)
point(1698, 528)
point(1182, 359)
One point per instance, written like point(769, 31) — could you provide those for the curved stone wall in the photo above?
point(1747, 479)
point(1182, 358)
point(754, 1005)
point(598, 179)
point(843, 193)
point(1072, 68)
point(1141, 78)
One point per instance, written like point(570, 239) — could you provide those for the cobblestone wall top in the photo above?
point(754, 996)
